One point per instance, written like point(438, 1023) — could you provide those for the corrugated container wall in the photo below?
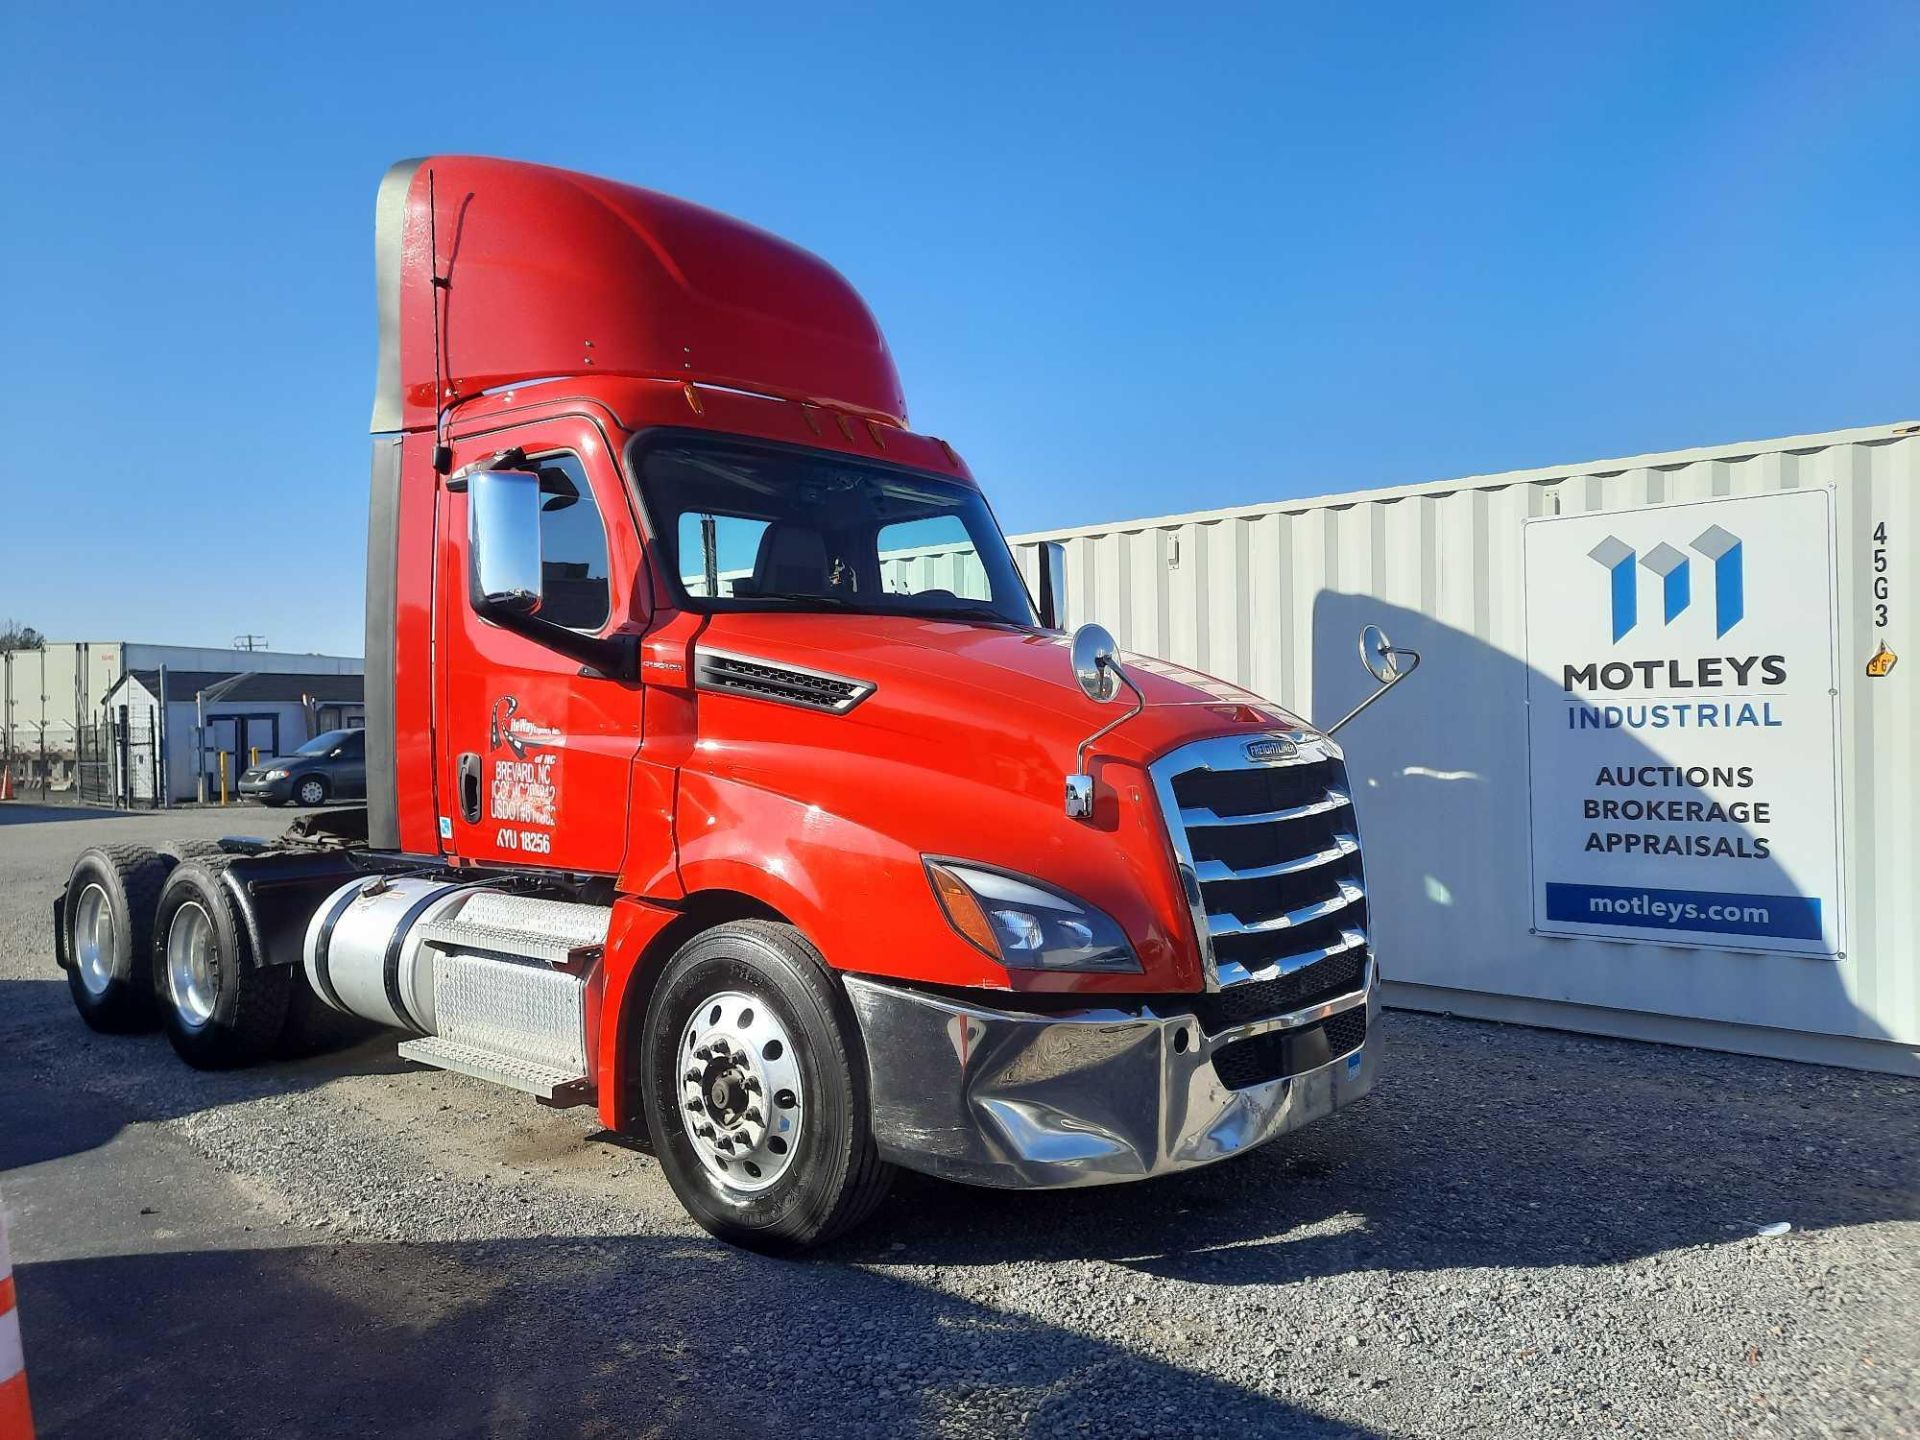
point(1273, 597)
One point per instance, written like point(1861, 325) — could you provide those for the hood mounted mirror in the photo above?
point(1097, 668)
point(1386, 662)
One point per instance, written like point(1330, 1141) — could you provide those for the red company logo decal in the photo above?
point(524, 787)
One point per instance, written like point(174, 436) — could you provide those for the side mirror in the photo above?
point(1096, 663)
point(504, 575)
point(1386, 662)
point(1053, 585)
point(503, 543)
point(1379, 656)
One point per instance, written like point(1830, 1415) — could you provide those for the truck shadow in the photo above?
point(1452, 1163)
point(24, 812)
point(71, 1089)
point(1440, 781)
point(1484, 1144)
point(577, 1337)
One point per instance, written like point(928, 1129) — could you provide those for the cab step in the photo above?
point(543, 1082)
point(520, 927)
point(509, 993)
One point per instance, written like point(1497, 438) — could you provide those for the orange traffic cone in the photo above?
point(16, 1421)
point(6, 782)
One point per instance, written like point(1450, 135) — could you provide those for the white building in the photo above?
point(212, 719)
point(48, 695)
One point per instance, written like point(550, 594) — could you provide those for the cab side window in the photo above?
point(573, 546)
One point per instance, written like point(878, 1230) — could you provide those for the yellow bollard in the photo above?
point(223, 777)
point(253, 757)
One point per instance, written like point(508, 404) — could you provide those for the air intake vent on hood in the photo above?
point(785, 684)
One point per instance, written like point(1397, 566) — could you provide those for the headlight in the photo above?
point(1026, 925)
point(275, 775)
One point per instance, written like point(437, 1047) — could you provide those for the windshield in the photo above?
point(321, 744)
point(761, 527)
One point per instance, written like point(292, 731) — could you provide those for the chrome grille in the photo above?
point(1269, 856)
point(782, 683)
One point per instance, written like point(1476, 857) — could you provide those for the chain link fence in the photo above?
point(118, 760)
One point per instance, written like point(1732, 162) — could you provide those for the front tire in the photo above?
point(109, 912)
point(757, 1101)
point(310, 790)
point(219, 1008)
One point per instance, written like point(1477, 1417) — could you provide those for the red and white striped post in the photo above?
point(16, 1421)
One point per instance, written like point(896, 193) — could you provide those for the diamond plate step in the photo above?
point(554, 1087)
point(460, 934)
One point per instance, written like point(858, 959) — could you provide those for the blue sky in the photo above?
point(1131, 261)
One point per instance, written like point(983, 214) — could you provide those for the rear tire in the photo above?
point(219, 1008)
point(108, 916)
point(191, 849)
point(784, 1025)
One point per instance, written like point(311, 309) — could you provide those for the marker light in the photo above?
point(1025, 925)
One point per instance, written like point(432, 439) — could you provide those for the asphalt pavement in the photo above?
point(1520, 1234)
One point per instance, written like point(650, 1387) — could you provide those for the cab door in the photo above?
point(533, 751)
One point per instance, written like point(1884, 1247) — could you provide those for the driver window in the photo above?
point(936, 553)
point(573, 547)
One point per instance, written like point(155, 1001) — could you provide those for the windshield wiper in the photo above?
point(831, 602)
point(979, 611)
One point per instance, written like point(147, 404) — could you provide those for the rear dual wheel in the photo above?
point(218, 1007)
point(108, 923)
point(757, 1103)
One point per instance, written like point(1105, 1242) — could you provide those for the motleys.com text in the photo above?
point(1676, 912)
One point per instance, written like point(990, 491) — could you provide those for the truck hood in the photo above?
point(952, 676)
point(960, 749)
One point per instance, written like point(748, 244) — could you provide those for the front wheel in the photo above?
point(310, 790)
point(757, 1101)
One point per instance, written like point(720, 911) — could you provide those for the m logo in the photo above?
point(1720, 547)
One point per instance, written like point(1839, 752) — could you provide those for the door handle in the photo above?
point(470, 787)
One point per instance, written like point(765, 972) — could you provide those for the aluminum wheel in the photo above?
point(94, 939)
point(740, 1093)
point(311, 791)
point(192, 975)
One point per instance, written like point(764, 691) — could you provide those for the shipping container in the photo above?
point(1273, 596)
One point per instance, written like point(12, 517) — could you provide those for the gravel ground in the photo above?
point(1521, 1233)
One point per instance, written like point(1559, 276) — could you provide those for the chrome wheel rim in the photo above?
point(94, 939)
point(741, 1101)
point(192, 978)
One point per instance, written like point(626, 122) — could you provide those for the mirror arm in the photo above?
point(1139, 704)
point(1412, 656)
point(1080, 784)
point(613, 657)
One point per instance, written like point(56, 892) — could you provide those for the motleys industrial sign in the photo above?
point(1681, 722)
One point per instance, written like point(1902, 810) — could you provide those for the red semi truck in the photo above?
point(725, 774)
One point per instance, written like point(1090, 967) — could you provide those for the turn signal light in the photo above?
point(963, 910)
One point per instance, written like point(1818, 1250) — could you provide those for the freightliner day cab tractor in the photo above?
point(723, 774)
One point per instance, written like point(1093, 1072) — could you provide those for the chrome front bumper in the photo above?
point(1020, 1100)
